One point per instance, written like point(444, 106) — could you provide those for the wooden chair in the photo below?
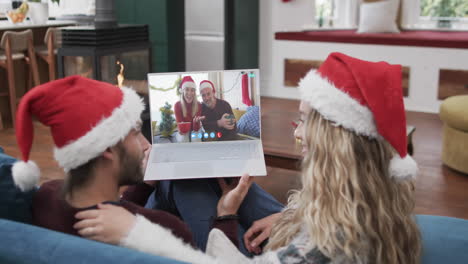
point(49, 52)
point(17, 46)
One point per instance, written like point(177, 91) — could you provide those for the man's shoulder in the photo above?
point(224, 105)
point(156, 216)
point(52, 186)
point(48, 192)
point(221, 101)
point(151, 214)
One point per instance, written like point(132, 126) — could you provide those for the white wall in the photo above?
point(278, 16)
point(232, 85)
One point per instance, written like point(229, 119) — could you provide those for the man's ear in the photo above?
point(110, 153)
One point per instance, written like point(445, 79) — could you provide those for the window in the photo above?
point(433, 14)
point(324, 13)
point(452, 9)
point(71, 7)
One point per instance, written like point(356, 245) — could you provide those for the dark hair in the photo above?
point(82, 175)
point(78, 177)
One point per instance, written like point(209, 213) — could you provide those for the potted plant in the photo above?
point(38, 11)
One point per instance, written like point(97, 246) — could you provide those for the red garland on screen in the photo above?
point(245, 90)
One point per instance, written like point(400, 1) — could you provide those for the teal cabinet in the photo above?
point(165, 19)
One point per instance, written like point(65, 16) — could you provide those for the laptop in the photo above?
point(223, 136)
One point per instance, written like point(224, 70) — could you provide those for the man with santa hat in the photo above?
point(98, 142)
point(218, 114)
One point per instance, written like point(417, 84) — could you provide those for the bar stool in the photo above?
point(48, 52)
point(17, 46)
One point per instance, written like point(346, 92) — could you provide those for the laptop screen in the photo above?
point(205, 106)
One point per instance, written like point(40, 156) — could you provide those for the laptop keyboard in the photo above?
point(204, 152)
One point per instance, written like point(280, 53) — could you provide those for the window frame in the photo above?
point(413, 20)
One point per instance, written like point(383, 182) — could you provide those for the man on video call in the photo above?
point(218, 113)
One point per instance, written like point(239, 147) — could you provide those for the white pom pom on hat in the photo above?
point(403, 168)
point(26, 175)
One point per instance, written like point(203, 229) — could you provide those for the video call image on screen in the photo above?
point(204, 106)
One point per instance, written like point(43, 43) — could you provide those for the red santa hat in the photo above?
point(207, 84)
point(187, 81)
point(364, 97)
point(85, 117)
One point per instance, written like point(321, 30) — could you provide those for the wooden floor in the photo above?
point(439, 190)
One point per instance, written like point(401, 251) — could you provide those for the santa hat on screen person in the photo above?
point(187, 81)
point(207, 84)
point(85, 117)
point(363, 97)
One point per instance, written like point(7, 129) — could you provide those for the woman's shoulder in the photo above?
point(178, 106)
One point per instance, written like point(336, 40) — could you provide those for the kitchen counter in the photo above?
point(6, 25)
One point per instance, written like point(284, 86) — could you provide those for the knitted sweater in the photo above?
point(210, 124)
point(51, 211)
point(189, 118)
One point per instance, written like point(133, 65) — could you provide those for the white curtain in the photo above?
point(410, 13)
point(347, 13)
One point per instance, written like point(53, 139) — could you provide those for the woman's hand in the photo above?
point(259, 232)
point(198, 119)
point(233, 194)
point(108, 224)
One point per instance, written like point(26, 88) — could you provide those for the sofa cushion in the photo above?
point(238, 113)
point(379, 17)
point(445, 239)
point(249, 123)
point(31, 244)
point(14, 204)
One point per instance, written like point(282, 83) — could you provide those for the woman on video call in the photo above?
point(188, 109)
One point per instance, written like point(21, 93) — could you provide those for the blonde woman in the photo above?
point(188, 110)
point(356, 202)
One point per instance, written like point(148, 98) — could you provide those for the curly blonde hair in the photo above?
point(349, 204)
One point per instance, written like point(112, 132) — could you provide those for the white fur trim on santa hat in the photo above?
point(337, 106)
point(206, 85)
point(188, 84)
point(220, 247)
point(403, 168)
point(25, 175)
point(108, 132)
point(154, 239)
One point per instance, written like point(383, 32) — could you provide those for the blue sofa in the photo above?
point(21, 242)
point(445, 239)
